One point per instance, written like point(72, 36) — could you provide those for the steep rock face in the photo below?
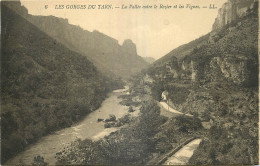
point(129, 47)
point(105, 52)
point(231, 11)
point(193, 71)
point(199, 103)
point(233, 67)
point(238, 69)
point(232, 55)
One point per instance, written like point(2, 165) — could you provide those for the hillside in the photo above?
point(215, 78)
point(229, 54)
point(182, 50)
point(229, 13)
point(44, 85)
point(107, 55)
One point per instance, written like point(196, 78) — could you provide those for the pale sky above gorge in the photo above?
point(155, 31)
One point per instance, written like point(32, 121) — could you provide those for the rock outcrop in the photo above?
point(233, 67)
point(129, 47)
point(231, 11)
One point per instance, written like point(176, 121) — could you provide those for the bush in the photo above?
point(131, 109)
point(109, 124)
point(39, 161)
point(111, 118)
point(100, 120)
point(125, 119)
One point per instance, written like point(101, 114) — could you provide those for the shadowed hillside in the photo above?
point(44, 85)
point(182, 50)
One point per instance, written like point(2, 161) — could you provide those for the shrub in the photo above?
point(109, 124)
point(125, 119)
point(39, 161)
point(131, 109)
point(111, 118)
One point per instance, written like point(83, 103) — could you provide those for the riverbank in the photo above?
point(88, 128)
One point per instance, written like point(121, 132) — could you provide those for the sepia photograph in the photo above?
point(129, 82)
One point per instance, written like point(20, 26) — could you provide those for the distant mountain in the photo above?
point(149, 60)
point(105, 52)
point(44, 85)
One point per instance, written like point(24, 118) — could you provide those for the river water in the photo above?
point(49, 145)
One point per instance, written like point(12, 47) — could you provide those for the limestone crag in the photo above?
point(232, 67)
point(129, 47)
point(231, 11)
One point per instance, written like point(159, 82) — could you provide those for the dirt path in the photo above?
point(170, 109)
point(184, 154)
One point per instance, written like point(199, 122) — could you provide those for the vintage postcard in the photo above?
point(129, 82)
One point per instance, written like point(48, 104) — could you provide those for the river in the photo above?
point(49, 145)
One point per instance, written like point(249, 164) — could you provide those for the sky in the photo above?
point(154, 31)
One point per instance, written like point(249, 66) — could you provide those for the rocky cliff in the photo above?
point(231, 11)
point(105, 52)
